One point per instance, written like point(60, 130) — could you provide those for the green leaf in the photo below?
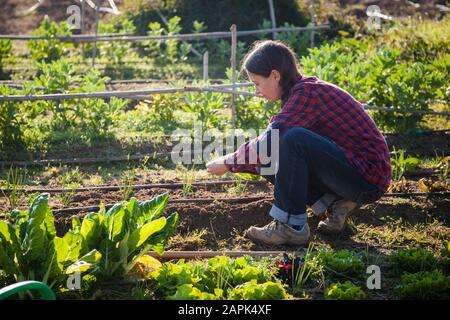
point(133, 208)
point(90, 230)
point(5, 230)
point(74, 245)
point(85, 263)
point(33, 242)
point(139, 236)
point(153, 208)
point(6, 260)
point(159, 240)
point(76, 224)
point(62, 249)
point(115, 221)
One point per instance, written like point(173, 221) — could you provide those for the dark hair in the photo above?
point(269, 55)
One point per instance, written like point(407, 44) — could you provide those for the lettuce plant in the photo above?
point(344, 291)
point(424, 285)
point(413, 260)
point(217, 278)
point(253, 291)
point(342, 262)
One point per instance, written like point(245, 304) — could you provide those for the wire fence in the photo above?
point(185, 37)
point(144, 94)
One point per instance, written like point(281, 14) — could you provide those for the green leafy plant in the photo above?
point(254, 113)
point(413, 260)
point(214, 278)
point(344, 291)
point(115, 52)
point(400, 164)
point(189, 292)
point(199, 27)
point(30, 249)
point(161, 111)
point(55, 77)
point(341, 263)
point(205, 107)
point(49, 50)
point(399, 85)
point(5, 53)
point(298, 41)
point(169, 51)
point(126, 232)
point(170, 276)
point(254, 291)
point(339, 63)
point(424, 285)
point(12, 125)
point(97, 115)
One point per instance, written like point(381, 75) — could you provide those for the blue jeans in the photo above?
point(310, 168)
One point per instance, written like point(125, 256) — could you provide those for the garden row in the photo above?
point(109, 246)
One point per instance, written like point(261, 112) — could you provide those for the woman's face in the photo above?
point(268, 87)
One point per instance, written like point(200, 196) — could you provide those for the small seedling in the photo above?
point(14, 181)
point(239, 187)
point(400, 164)
point(67, 196)
point(126, 184)
point(188, 177)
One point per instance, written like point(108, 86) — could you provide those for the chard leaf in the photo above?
point(159, 240)
point(153, 208)
point(76, 224)
point(85, 263)
point(90, 230)
point(33, 242)
point(115, 221)
point(139, 236)
point(74, 247)
point(6, 259)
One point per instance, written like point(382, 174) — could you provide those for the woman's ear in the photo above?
point(276, 75)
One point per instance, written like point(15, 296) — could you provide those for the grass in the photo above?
point(400, 233)
point(189, 240)
point(15, 178)
point(67, 197)
point(187, 177)
point(238, 188)
point(126, 181)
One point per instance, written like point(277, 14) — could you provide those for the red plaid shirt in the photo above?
point(333, 113)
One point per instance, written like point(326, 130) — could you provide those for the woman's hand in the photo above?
point(217, 166)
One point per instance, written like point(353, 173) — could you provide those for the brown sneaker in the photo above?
point(277, 233)
point(337, 216)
